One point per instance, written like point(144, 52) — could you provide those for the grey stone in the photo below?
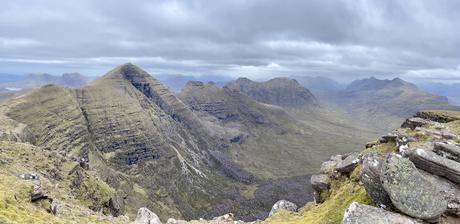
point(145, 216)
point(370, 177)
point(433, 163)
point(390, 137)
point(349, 163)
point(283, 204)
point(320, 182)
point(414, 122)
point(364, 214)
point(56, 207)
point(409, 191)
point(328, 166)
point(451, 192)
point(437, 134)
point(450, 151)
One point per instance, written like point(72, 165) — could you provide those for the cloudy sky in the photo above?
point(342, 39)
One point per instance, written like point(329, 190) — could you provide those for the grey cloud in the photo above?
point(342, 39)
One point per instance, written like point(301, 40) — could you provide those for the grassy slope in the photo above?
point(15, 204)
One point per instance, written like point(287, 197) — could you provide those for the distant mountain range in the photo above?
point(319, 86)
point(451, 91)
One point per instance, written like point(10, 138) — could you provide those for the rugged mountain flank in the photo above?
point(264, 135)
point(278, 91)
point(141, 139)
point(386, 103)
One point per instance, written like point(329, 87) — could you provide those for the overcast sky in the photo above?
point(342, 39)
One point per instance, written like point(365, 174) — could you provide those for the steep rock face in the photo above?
point(283, 92)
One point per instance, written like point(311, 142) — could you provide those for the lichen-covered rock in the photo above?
point(349, 163)
point(370, 177)
point(145, 216)
point(365, 214)
point(283, 204)
point(409, 191)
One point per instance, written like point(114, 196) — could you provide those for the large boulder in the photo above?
point(145, 216)
point(365, 214)
point(409, 191)
point(370, 177)
point(283, 204)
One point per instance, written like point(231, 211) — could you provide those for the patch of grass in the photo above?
point(382, 148)
point(454, 125)
point(248, 191)
point(343, 192)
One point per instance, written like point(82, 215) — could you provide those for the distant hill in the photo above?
point(319, 85)
point(451, 91)
point(36, 80)
point(283, 92)
point(385, 103)
point(15, 85)
point(176, 82)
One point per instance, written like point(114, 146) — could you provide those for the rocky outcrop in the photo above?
point(414, 122)
point(370, 177)
point(145, 216)
point(409, 191)
point(365, 214)
point(320, 183)
point(437, 116)
point(283, 204)
point(424, 158)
